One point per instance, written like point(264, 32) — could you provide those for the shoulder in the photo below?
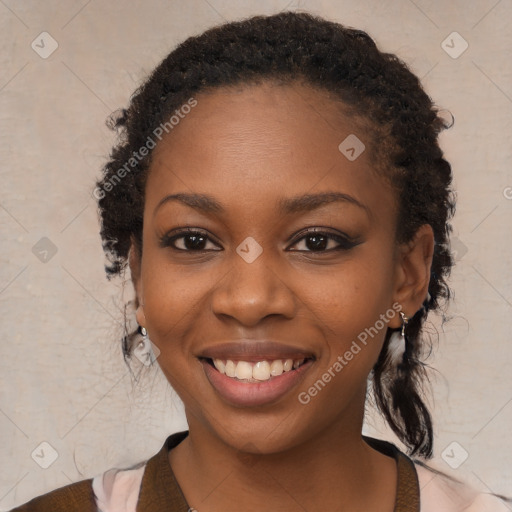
point(441, 493)
point(113, 490)
point(118, 489)
point(78, 497)
point(149, 484)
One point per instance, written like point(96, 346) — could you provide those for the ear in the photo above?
point(134, 261)
point(412, 272)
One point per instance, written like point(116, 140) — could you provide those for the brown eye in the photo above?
point(320, 241)
point(187, 240)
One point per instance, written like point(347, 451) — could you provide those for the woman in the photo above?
point(283, 205)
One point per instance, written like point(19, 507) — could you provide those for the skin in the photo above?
point(249, 147)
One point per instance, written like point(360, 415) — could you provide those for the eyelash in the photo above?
point(345, 242)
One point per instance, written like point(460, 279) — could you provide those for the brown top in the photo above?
point(160, 491)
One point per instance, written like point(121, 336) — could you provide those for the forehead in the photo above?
point(270, 116)
point(256, 142)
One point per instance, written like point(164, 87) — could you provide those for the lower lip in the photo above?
point(251, 394)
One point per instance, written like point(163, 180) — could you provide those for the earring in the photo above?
point(396, 346)
point(425, 305)
point(145, 351)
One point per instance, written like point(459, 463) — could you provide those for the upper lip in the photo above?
point(254, 350)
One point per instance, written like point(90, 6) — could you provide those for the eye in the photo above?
point(193, 240)
point(187, 240)
point(323, 241)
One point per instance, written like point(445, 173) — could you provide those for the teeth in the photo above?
point(276, 367)
point(287, 365)
point(261, 370)
point(230, 369)
point(296, 364)
point(243, 370)
point(219, 364)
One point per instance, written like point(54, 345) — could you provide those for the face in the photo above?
point(263, 243)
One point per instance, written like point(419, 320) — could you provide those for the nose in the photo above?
point(250, 292)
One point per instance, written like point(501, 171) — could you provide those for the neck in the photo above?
point(334, 470)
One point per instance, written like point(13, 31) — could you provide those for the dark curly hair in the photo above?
point(377, 87)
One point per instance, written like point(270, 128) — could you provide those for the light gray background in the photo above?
point(63, 380)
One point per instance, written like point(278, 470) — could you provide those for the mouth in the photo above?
point(258, 371)
point(257, 382)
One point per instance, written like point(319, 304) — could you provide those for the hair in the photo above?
point(378, 88)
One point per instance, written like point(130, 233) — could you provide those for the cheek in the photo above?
point(176, 305)
point(351, 316)
point(342, 299)
point(171, 305)
point(352, 309)
point(172, 308)
point(352, 297)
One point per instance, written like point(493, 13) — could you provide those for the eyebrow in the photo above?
point(303, 203)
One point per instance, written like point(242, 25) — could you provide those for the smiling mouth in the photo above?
point(255, 371)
